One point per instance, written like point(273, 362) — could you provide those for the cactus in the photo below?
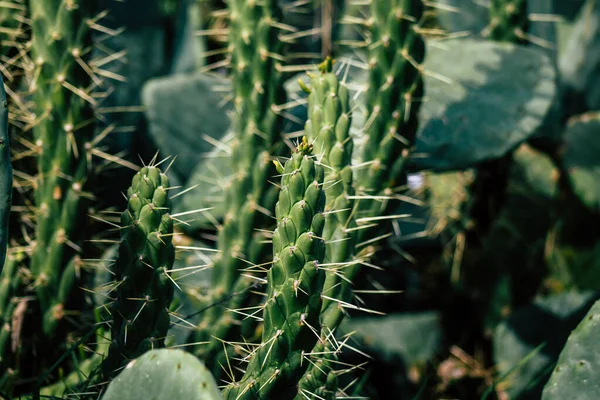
point(140, 316)
point(62, 132)
point(328, 128)
point(295, 283)
point(575, 374)
point(6, 176)
point(509, 20)
point(258, 89)
point(397, 51)
point(164, 374)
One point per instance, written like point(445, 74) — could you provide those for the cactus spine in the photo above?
point(295, 282)
point(140, 316)
point(6, 176)
point(64, 126)
point(397, 51)
point(258, 89)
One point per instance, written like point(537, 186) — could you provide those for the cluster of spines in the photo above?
point(508, 20)
point(256, 68)
point(395, 91)
point(63, 128)
point(140, 315)
point(295, 283)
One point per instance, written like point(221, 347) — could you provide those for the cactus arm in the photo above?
point(64, 125)
point(258, 89)
point(395, 91)
point(295, 282)
point(328, 128)
point(5, 176)
point(140, 317)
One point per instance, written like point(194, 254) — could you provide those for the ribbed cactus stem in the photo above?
point(295, 282)
point(140, 316)
point(64, 126)
point(328, 128)
point(256, 59)
point(509, 20)
point(6, 176)
point(396, 54)
point(258, 88)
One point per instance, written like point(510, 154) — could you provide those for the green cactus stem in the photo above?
point(140, 317)
point(6, 176)
point(63, 128)
point(396, 55)
point(258, 88)
point(328, 127)
point(295, 282)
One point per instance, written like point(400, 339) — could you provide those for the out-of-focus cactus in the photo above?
point(395, 91)
point(576, 372)
point(140, 315)
point(6, 175)
point(508, 20)
point(295, 284)
point(256, 62)
point(164, 374)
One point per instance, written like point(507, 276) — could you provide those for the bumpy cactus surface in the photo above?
point(63, 128)
point(295, 283)
point(249, 197)
point(140, 315)
point(394, 95)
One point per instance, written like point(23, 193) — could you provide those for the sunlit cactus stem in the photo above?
point(295, 283)
point(328, 128)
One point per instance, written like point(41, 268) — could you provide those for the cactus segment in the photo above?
point(140, 317)
point(6, 176)
point(395, 91)
point(295, 283)
point(257, 82)
point(576, 372)
point(63, 129)
point(164, 374)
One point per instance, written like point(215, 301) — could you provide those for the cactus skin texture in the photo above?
point(328, 128)
point(576, 373)
point(295, 282)
point(140, 317)
point(64, 126)
point(6, 176)
point(258, 89)
point(508, 20)
point(164, 374)
point(393, 99)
